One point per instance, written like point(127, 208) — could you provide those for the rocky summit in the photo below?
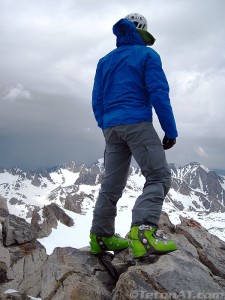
point(195, 271)
point(33, 204)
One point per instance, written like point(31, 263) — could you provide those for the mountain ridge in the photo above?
point(191, 179)
point(195, 190)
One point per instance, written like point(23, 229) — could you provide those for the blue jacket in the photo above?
point(129, 81)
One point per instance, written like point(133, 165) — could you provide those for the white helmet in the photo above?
point(139, 21)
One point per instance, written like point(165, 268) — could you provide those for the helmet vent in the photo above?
point(139, 20)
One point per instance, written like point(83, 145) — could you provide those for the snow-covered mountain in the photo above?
point(196, 192)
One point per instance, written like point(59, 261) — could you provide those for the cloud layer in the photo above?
point(49, 51)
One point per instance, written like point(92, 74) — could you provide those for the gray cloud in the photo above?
point(49, 51)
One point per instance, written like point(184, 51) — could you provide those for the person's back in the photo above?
point(128, 81)
point(126, 99)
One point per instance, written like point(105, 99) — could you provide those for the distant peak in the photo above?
point(101, 161)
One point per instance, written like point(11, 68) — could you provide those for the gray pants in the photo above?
point(123, 141)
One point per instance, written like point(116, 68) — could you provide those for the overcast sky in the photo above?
point(48, 54)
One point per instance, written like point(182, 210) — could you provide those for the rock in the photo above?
point(73, 274)
point(74, 202)
point(73, 167)
point(53, 210)
point(182, 273)
point(171, 273)
point(211, 250)
point(3, 215)
point(4, 263)
point(36, 181)
point(3, 204)
point(122, 261)
point(165, 223)
point(200, 259)
point(177, 273)
point(21, 267)
point(14, 201)
point(36, 219)
point(21, 259)
point(51, 214)
point(4, 212)
point(88, 176)
point(44, 222)
point(196, 268)
point(14, 295)
point(16, 230)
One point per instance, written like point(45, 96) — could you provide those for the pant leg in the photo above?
point(148, 152)
point(117, 163)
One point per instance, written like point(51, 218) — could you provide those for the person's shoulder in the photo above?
point(105, 57)
point(151, 55)
point(150, 51)
point(146, 52)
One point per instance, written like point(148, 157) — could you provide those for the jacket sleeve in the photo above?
point(97, 98)
point(158, 89)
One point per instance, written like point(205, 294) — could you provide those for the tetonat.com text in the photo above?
point(176, 296)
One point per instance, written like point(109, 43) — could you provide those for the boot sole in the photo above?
point(154, 253)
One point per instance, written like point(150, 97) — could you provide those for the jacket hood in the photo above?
point(126, 33)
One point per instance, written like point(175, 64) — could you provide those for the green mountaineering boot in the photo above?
point(101, 243)
point(145, 240)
